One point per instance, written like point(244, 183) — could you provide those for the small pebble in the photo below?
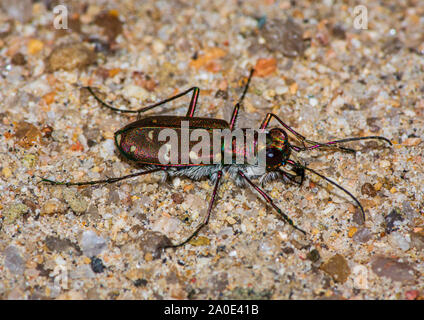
point(158, 47)
point(417, 240)
point(134, 91)
point(412, 294)
point(368, 189)
point(313, 102)
point(35, 46)
point(18, 9)
point(230, 220)
point(18, 59)
point(352, 232)
point(362, 235)
point(284, 36)
point(75, 200)
point(391, 219)
point(400, 241)
point(153, 242)
point(411, 142)
point(14, 211)
point(384, 163)
point(97, 265)
point(13, 260)
point(265, 67)
point(52, 207)
point(69, 57)
point(392, 269)
point(83, 271)
point(358, 217)
point(91, 244)
point(27, 135)
point(60, 245)
point(337, 267)
point(313, 255)
point(200, 241)
point(7, 172)
point(178, 198)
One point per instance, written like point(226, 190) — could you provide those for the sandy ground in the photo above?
point(330, 70)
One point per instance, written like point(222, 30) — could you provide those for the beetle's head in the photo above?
point(277, 149)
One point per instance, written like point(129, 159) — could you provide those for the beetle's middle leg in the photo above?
point(206, 219)
point(190, 112)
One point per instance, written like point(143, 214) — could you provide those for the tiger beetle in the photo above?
point(133, 143)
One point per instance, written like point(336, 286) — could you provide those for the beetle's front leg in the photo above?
point(190, 112)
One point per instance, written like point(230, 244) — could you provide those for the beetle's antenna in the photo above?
point(332, 143)
point(298, 165)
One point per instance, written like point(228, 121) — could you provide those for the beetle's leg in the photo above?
point(267, 120)
point(190, 112)
point(237, 106)
point(270, 201)
point(193, 102)
point(110, 180)
point(300, 172)
point(206, 219)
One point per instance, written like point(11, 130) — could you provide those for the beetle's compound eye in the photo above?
point(274, 158)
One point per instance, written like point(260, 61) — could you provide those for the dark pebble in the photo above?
point(337, 267)
point(391, 218)
point(288, 250)
point(97, 265)
point(368, 189)
point(154, 242)
point(313, 255)
point(391, 268)
point(178, 198)
point(18, 59)
point(221, 94)
point(140, 282)
point(338, 31)
point(358, 217)
point(392, 46)
point(284, 36)
point(60, 245)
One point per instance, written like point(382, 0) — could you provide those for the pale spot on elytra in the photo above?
point(133, 148)
point(150, 134)
point(118, 139)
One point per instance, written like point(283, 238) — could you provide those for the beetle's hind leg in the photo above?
point(190, 112)
point(109, 180)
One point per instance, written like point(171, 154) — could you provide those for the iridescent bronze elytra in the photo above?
point(136, 142)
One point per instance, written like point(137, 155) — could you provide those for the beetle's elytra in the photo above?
point(138, 142)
